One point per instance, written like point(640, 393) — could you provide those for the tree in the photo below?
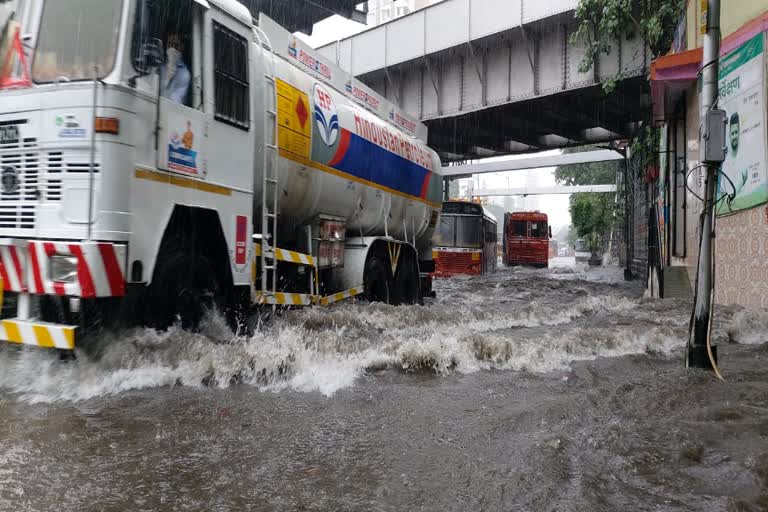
point(591, 213)
point(603, 22)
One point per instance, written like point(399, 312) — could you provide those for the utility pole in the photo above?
point(701, 352)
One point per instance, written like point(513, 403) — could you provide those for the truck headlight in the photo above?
point(63, 269)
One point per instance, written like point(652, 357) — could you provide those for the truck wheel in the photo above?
point(377, 281)
point(407, 283)
point(184, 288)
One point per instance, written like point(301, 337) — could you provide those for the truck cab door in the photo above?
point(228, 82)
point(183, 123)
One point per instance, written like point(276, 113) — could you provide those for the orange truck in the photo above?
point(526, 239)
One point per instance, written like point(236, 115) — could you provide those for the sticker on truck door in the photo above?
point(182, 156)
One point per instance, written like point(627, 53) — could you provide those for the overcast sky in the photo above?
point(555, 206)
point(331, 29)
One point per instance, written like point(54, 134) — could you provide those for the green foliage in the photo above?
point(603, 22)
point(595, 243)
point(645, 147)
point(590, 212)
point(598, 173)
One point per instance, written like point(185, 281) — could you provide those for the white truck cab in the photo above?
point(145, 143)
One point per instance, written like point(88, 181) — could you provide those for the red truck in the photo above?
point(526, 239)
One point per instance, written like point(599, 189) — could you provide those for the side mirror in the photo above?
point(550, 231)
point(151, 55)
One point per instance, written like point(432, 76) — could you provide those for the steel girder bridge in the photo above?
point(492, 77)
point(301, 15)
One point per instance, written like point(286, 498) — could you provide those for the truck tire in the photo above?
point(184, 287)
point(407, 283)
point(377, 281)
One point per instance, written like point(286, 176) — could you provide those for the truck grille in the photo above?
point(17, 216)
point(27, 167)
point(40, 179)
point(452, 263)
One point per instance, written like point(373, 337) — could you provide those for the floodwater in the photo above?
point(526, 390)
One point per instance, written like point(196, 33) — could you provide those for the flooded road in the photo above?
point(526, 390)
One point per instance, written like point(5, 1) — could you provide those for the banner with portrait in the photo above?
point(742, 96)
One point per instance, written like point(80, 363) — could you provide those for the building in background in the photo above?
point(382, 11)
point(667, 198)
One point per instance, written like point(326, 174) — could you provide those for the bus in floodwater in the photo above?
point(465, 241)
point(526, 239)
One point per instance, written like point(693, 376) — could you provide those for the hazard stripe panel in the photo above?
point(11, 268)
point(39, 334)
point(99, 268)
point(290, 256)
point(346, 294)
point(284, 299)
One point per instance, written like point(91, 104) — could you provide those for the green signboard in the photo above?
point(742, 96)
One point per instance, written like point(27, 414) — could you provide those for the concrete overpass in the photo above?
point(531, 162)
point(540, 191)
point(492, 77)
point(301, 15)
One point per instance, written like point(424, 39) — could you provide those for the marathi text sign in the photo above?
point(742, 96)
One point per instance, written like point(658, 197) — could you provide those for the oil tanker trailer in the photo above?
point(162, 158)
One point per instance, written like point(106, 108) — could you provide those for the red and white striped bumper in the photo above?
point(100, 268)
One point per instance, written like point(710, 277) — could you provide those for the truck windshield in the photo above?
point(538, 229)
point(581, 245)
point(469, 232)
point(445, 235)
point(519, 228)
point(75, 36)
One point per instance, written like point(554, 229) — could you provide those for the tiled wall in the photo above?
point(741, 257)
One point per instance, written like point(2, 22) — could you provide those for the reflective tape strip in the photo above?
point(11, 268)
point(294, 257)
point(336, 297)
point(100, 269)
point(39, 334)
point(284, 299)
point(290, 256)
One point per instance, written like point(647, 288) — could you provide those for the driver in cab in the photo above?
point(174, 74)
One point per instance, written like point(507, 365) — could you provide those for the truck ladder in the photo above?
point(269, 192)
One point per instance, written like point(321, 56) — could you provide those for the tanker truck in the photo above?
point(160, 158)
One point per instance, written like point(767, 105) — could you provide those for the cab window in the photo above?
point(172, 24)
point(78, 39)
point(538, 230)
point(519, 228)
point(231, 85)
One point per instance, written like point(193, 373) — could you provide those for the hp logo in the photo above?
point(9, 179)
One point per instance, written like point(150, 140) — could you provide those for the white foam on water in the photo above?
point(468, 329)
point(749, 326)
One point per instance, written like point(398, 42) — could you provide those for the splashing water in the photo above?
point(521, 320)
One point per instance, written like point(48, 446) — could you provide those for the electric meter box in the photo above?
point(715, 124)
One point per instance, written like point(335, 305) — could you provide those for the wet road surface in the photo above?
point(559, 390)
